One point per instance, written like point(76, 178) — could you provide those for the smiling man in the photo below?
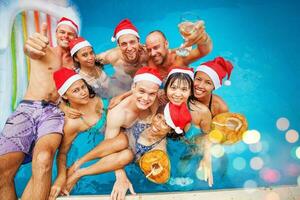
point(140, 104)
point(162, 58)
point(127, 57)
point(34, 131)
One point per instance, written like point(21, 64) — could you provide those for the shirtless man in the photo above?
point(34, 130)
point(162, 58)
point(144, 89)
point(127, 58)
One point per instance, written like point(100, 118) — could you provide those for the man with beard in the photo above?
point(34, 130)
point(162, 58)
point(127, 58)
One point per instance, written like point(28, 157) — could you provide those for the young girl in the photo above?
point(179, 90)
point(79, 95)
point(208, 77)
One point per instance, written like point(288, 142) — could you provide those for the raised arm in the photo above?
point(203, 42)
point(36, 45)
point(108, 57)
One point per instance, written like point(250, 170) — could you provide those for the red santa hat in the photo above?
point(185, 70)
point(217, 69)
point(177, 116)
point(124, 27)
point(64, 78)
point(69, 22)
point(78, 43)
point(147, 74)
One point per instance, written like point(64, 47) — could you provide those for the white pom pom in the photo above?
point(178, 130)
point(113, 39)
point(227, 82)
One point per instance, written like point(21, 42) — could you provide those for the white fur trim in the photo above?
point(147, 77)
point(79, 46)
point(169, 120)
point(68, 83)
point(211, 73)
point(227, 82)
point(66, 22)
point(188, 72)
point(124, 32)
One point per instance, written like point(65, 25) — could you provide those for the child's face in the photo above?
point(178, 92)
point(159, 125)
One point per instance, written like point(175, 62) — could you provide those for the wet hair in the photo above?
point(77, 64)
point(92, 93)
point(182, 77)
point(158, 31)
point(192, 98)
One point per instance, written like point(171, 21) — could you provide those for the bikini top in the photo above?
point(141, 149)
point(101, 122)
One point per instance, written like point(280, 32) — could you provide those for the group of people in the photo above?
point(155, 95)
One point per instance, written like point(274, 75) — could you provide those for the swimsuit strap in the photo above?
point(210, 102)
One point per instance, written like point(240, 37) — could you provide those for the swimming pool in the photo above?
point(261, 39)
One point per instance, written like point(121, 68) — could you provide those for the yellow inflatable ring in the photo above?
point(228, 128)
point(156, 166)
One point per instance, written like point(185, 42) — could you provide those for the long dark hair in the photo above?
point(192, 98)
point(182, 77)
point(92, 93)
point(77, 64)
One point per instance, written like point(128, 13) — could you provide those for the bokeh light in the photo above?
point(250, 186)
point(251, 137)
point(270, 175)
point(282, 124)
point(272, 196)
point(298, 180)
point(292, 136)
point(217, 151)
point(240, 148)
point(256, 148)
point(239, 163)
point(256, 163)
point(298, 152)
point(292, 170)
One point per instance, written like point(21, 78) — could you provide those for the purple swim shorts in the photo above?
point(30, 121)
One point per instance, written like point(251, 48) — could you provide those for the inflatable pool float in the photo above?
point(156, 166)
point(20, 19)
point(228, 128)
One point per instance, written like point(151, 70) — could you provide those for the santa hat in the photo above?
point(147, 74)
point(64, 78)
point(185, 70)
point(177, 116)
point(217, 69)
point(68, 22)
point(78, 43)
point(124, 27)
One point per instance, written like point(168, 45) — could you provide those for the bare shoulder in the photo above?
point(71, 127)
point(220, 104)
point(116, 116)
point(199, 107)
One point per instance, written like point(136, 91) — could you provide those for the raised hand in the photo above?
point(199, 35)
point(36, 45)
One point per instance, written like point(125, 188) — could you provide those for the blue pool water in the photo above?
point(261, 38)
